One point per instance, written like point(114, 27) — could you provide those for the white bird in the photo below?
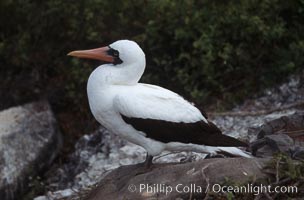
point(148, 115)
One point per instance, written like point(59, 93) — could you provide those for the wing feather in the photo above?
point(153, 102)
point(165, 116)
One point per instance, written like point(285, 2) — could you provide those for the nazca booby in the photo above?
point(148, 115)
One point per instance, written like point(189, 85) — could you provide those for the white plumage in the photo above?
point(115, 95)
point(153, 102)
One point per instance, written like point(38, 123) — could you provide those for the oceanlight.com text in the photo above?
point(253, 189)
point(216, 188)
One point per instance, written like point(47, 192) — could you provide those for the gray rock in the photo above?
point(29, 142)
point(61, 194)
point(271, 144)
point(284, 134)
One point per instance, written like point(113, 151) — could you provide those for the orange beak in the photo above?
point(96, 54)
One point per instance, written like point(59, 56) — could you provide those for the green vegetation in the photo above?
point(226, 49)
point(206, 50)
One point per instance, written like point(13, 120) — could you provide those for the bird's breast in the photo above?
point(100, 100)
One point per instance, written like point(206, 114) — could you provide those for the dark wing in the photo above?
point(195, 133)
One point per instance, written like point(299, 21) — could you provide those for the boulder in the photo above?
point(177, 181)
point(29, 142)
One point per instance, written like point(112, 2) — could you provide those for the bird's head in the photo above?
point(121, 51)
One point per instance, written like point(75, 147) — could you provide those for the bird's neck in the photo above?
point(117, 75)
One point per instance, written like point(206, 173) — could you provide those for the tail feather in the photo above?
point(217, 138)
point(234, 151)
point(222, 141)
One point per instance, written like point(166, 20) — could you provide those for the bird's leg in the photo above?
point(148, 161)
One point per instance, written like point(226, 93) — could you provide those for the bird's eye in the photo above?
point(115, 53)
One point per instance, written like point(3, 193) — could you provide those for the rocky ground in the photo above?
point(99, 152)
point(274, 103)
